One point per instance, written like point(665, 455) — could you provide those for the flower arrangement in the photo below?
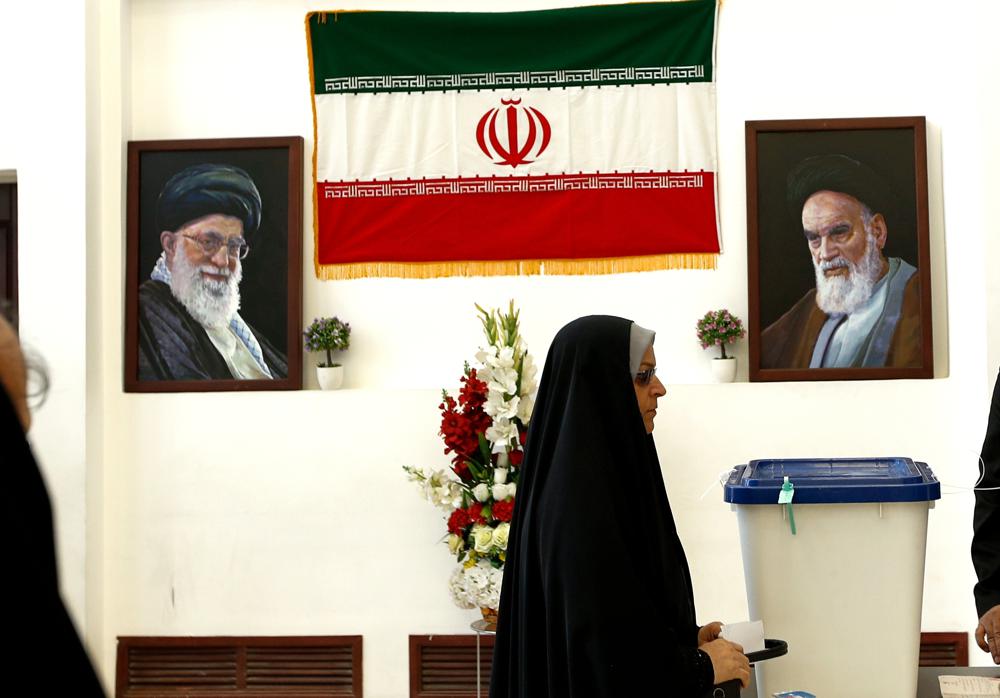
point(327, 334)
point(719, 328)
point(484, 430)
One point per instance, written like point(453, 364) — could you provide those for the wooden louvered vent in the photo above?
point(445, 665)
point(944, 649)
point(247, 667)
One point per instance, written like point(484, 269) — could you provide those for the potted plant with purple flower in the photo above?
point(717, 329)
point(328, 334)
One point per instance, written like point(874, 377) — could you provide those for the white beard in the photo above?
point(845, 294)
point(212, 303)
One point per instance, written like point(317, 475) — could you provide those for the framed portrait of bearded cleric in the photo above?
point(213, 273)
point(837, 252)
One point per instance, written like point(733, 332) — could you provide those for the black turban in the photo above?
point(206, 189)
point(842, 174)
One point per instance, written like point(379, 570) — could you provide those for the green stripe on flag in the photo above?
point(422, 51)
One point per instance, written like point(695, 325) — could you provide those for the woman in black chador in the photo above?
point(597, 597)
point(45, 651)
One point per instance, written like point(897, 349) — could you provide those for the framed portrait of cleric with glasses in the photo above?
point(213, 287)
point(837, 251)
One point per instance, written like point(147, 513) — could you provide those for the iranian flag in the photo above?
point(579, 140)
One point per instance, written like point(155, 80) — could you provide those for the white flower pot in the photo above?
point(330, 377)
point(724, 370)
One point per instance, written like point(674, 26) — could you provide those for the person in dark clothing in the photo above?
point(44, 647)
point(986, 536)
point(189, 327)
point(597, 598)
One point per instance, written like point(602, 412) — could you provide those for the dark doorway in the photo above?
point(8, 250)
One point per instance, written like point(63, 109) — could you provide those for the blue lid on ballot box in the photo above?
point(833, 481)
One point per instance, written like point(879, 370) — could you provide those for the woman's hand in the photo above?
point(728, 661)
point(707, 633)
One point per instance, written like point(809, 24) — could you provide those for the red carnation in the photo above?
point(475, 513)
point(458, 520)
point(515, 457)
point(503, 511)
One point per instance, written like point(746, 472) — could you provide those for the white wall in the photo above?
point(288, 513)
point(42, 138)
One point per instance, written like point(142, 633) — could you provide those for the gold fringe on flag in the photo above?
point(580, 267)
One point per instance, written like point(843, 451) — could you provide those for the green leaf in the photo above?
point(484, 448)
point(474, 468)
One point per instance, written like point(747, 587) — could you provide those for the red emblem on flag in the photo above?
point(515, 152)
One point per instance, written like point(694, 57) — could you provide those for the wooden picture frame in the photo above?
point(221, 191)
point(874, 256)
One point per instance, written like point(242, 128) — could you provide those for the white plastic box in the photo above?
point(845, 591)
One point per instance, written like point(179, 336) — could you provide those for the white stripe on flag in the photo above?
point(629, 128)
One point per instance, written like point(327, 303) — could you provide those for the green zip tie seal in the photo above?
point(785, 497)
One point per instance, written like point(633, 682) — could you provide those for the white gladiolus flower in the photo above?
point(501, 433)
point(438, 487)
point(503, 381)
point(494, 403)
point(528, 369)
point(481, 492)
point(524, 408)
point(414, 475)
point(498, 408)
point(500, 475)
point(483, 356)
point(505, 357)
point(447, 497)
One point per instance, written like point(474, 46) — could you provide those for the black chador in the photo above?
point(44, 647)
point(597, 597)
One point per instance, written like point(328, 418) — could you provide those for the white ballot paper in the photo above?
point(749, 634)
point(969, 687)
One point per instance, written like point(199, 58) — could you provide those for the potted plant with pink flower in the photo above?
point(328, 334)
point(717, 329)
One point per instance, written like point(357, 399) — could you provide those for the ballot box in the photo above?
point(833, 555)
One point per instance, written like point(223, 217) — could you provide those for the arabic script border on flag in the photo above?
point(570, 141)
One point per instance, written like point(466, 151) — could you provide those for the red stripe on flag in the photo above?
point(513, 225)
